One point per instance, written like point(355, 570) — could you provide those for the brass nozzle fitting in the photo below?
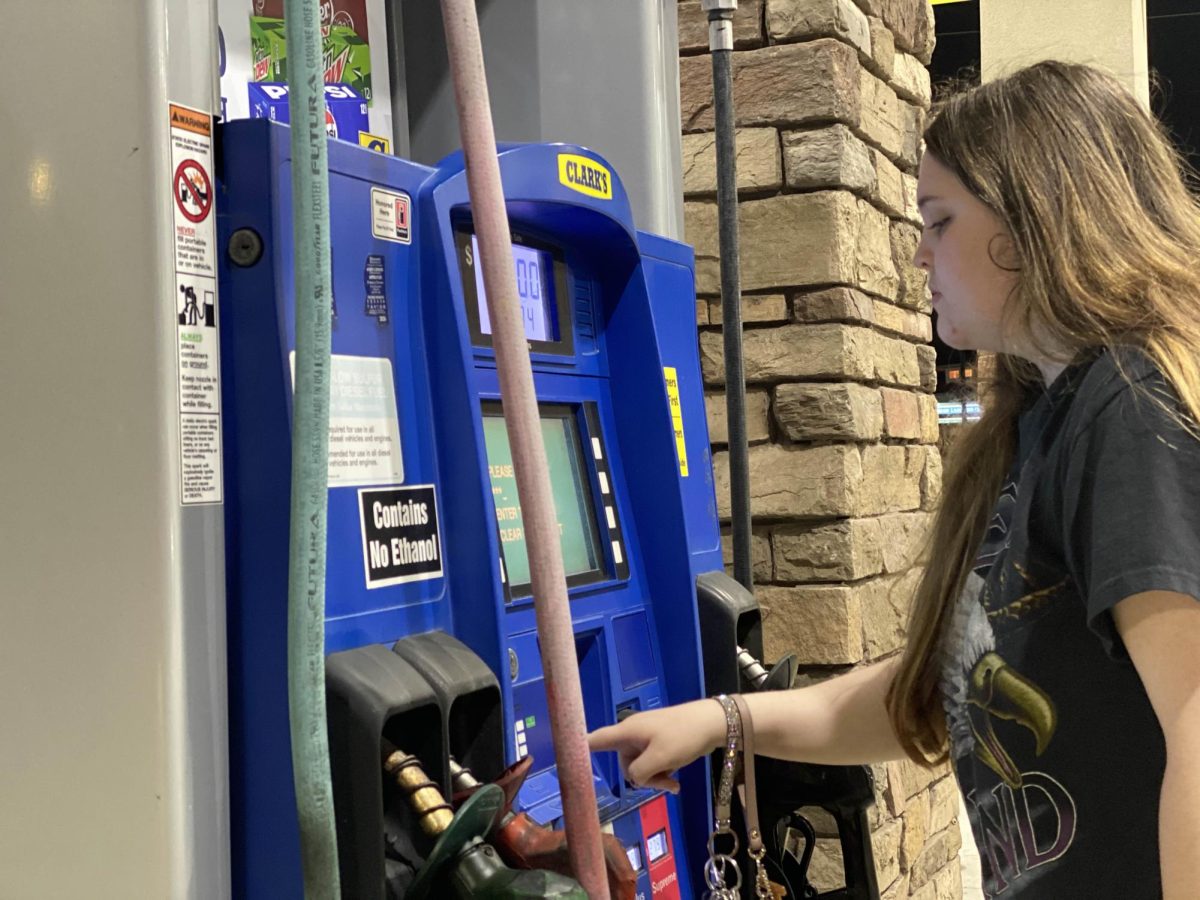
point(434, 813)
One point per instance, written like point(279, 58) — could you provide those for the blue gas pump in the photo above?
point(607, 313)
point(430, 629)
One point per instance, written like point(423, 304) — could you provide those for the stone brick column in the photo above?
point(831, 97)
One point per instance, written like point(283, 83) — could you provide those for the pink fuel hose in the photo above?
point(548, 579)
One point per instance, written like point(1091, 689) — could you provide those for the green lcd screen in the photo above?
point(572, 498)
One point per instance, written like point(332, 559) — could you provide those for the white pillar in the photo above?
point(1110, 34)
point(113, 735)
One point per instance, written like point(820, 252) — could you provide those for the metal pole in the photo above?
point(720, 44)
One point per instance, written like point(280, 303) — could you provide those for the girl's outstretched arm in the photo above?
point(842, 721)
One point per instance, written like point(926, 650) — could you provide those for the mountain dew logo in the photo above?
point(335, 65)
point(262, 68)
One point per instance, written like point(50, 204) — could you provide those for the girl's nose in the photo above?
point(922, 258)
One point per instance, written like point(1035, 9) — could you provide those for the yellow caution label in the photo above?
point(192, 120)
point(374, 142)
point(672, 380)
point(584, 175)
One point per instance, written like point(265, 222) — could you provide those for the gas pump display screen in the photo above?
point(542, 290)
point(570, 485)
point(635, 857)
point(535, 290)
point(656, 846)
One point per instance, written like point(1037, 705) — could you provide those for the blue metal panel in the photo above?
point(670, 275)
point(258, 336)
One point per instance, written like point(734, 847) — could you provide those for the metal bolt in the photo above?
point(245, 247)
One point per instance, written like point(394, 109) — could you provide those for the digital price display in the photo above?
point(656, 845)
point(535, 290)
point(635, 857)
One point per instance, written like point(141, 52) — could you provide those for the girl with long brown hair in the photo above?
point(1053, 649)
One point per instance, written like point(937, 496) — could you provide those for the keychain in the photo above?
point(721, 867)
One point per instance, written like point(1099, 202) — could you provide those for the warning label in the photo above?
point(192, 191)
point(201, 467)
point(199, 361)
point(390, 214)
point(364, 431)
point(400, 535)
point(373, 279)
point(672, 379)
point(198, 351)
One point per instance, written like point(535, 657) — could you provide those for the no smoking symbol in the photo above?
point(193, 191)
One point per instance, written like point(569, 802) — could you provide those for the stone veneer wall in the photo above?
point(830, 97)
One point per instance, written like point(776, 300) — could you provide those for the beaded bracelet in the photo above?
point(739, 738)
point(733, 744)
point(718, 866)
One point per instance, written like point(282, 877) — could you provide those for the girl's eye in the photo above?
point(939, 226)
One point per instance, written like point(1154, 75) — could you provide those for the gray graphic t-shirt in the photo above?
point(1053, 738)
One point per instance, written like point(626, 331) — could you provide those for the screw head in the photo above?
point(245, 247)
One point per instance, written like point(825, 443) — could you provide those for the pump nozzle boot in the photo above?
point(524, 844)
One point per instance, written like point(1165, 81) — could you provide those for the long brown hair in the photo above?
point(1106, 240)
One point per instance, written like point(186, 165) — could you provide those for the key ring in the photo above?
point(723, 829)
point(716, 877)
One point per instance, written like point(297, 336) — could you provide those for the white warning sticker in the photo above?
point(193, 191)
point(197, 337)
point(391, 214)
point(364, 431)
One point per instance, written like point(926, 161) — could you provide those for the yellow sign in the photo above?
point(374, 142)
point(676, 418)
point(584, 175)
point(940, 2)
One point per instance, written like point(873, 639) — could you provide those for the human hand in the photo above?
point(653, 744)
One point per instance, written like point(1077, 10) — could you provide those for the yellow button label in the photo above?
point(584, 175)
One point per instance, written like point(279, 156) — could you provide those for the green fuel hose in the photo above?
point(310, 453)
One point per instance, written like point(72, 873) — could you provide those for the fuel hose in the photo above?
point(310, 453)
point(555, 635)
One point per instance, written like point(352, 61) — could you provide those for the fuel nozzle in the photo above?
point(780, 677)
point(461, 859)
point(434, 814)
point(524, 844)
